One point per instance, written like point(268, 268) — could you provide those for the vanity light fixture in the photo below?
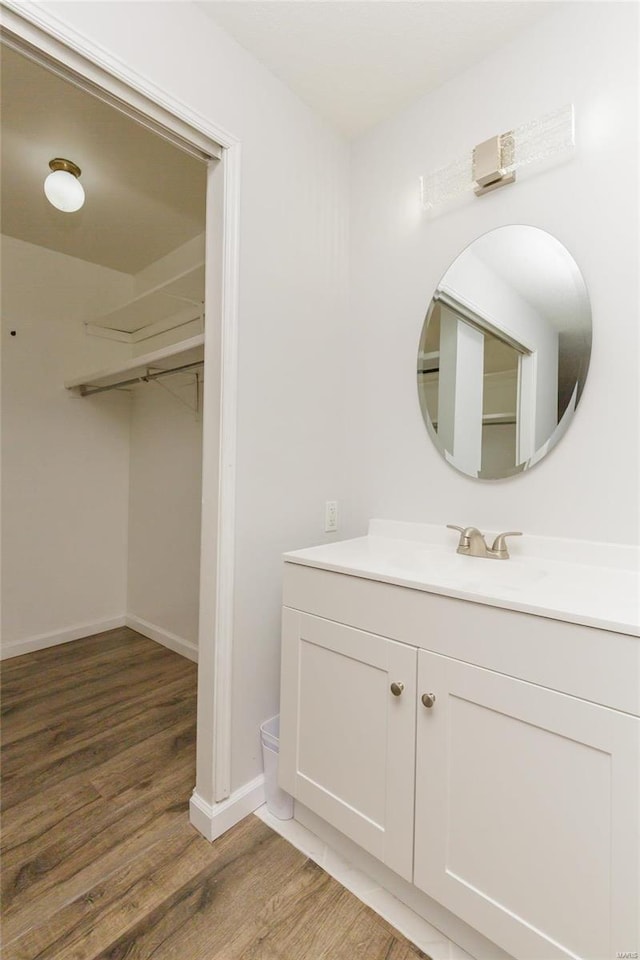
point(493, 164)
point(62, 187)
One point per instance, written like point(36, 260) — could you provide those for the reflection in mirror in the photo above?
point(504, 352)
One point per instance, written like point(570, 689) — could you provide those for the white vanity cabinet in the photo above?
point(526, 819)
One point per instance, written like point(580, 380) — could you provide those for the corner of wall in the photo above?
point(213, 821)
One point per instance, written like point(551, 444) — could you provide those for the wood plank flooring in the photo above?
point(99, 861)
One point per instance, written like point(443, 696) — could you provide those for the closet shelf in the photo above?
point(489, 419)
point(175, 301)
point(183, 356)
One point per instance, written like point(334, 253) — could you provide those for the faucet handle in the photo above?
point(499, 546)
point(464, 534)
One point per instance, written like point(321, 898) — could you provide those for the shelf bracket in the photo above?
point(196, 407)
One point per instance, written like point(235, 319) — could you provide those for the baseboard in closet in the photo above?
point(185, 648)
point(44, 640)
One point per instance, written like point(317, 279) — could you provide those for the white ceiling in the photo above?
point(145, 197)
point(358, 61)
point(353, 61)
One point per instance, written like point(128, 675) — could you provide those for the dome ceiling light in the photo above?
point(62, 187)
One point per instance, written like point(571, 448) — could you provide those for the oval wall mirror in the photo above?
point(504, 352)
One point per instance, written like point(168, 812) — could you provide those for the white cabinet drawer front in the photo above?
point(582, 661)
point(347, 743)
point(517, 792)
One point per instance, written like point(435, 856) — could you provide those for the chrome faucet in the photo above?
point(473, 544)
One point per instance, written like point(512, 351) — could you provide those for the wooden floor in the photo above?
point(99, 861)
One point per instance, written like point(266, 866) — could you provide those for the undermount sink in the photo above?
point(580, 581)
point(420, 561)
point(475, 573)
point(410, 556)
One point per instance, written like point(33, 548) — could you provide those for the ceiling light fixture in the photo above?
point(62, 187)
point(494, 163)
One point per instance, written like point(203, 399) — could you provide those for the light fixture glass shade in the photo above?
point(64, 191)
point(447, 182)
point(538, 140)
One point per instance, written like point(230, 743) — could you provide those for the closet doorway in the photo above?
point(140, 530)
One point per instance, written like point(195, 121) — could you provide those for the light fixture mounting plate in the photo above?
point(501, 182)
point(58, 163)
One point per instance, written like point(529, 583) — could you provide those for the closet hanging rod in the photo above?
point(86, 391)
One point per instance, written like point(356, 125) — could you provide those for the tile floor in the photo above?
point(426, 937)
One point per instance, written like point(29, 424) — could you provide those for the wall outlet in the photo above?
point(331, 516)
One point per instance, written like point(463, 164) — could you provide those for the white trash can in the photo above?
point(279, 803)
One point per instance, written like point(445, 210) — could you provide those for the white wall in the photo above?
point(588, 486)
point(65, 461)
point(164, 507)
point(293, 276)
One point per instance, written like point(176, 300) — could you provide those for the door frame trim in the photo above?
point(29, 28)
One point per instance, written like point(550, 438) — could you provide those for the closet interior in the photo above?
point(102, 373)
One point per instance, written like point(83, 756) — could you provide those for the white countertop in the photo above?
point(596, 584)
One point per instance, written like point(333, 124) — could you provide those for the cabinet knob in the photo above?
point(428, 700)
point(397, 688)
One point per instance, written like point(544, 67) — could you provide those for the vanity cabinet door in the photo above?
point(347, 743)
point(527, 813)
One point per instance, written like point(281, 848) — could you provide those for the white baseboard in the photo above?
point(44, 640)
point(213, 821)
point(171, 640)
point(178, 644)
